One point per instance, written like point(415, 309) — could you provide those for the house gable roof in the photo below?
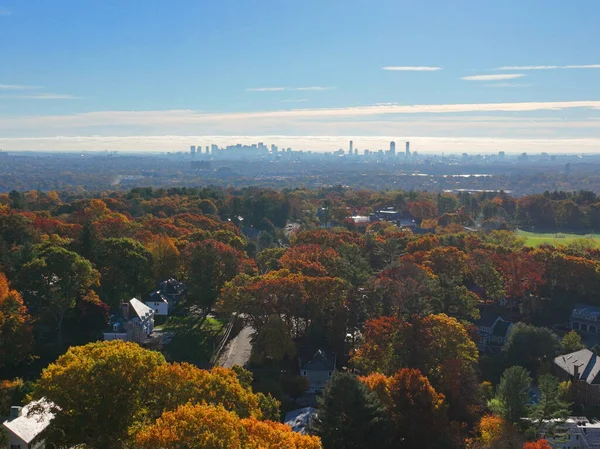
point(323, 360)
point(587, 312)
point(140, 309)
point(32, 421)
point(501, 328)
point(585, 362)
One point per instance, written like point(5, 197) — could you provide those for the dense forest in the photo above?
point(398, 306)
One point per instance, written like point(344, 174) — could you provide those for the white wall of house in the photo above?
point(161, 308)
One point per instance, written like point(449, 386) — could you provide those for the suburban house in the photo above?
point(159, 303)
point(319, 370)
point(577, 433)
point(402, 219)
point(493, 330)
point(135, 323)
point(173, 290)
point(582, 368)
point(585, 319)
point(25, 426)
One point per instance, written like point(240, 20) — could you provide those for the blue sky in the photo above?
point(160, 75)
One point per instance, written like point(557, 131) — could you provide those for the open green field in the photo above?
point(551, 238)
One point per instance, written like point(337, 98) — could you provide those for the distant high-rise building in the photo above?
point(392, 148)
point(192, 150)
point(207, 149)
point(351, 146)
point(501, 154)
point(407, 149)
point(356, 152)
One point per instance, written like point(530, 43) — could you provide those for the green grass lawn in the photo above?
point(194, 340)
point(558, 238)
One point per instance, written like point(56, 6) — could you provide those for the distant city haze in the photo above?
point(438, 145)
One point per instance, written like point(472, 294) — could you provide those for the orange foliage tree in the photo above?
point(211, 427)
point(15, 326)
point(415, 408)
point(539, 444)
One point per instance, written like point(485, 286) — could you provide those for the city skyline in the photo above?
point(310, 75)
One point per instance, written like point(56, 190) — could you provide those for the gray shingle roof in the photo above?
point(584, 362)
point(323, 360)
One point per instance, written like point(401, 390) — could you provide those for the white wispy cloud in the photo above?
point(4, 11)
point(504, 76)
point(265, 89)
point(280, 89)
point(411, 68)
point(18, 87)
point(48, 96)
point(277, 119)
point(549, 67)
point(509, 85)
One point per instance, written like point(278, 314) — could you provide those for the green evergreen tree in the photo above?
point(512, 394)
point(551, 409)
point(349, 415)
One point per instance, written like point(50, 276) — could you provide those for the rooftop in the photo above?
point(323, 360)
point(299, 419)
point(32, 421)
point(585, 310)
point(585, 363)
point(141, 309)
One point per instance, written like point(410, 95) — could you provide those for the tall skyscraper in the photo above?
point(351, 146)
point(207, 149)
point(392, 148)
point(192, 150)
point(407, 149)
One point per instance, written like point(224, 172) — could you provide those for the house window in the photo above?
point(15, 446)
point(576, 437)
point(329, 373)
point(304, 373)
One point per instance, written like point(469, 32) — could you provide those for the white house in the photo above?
point(159, 304)
point(26, 424)
point(136, 322)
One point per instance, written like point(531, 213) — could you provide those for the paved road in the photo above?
point(237, 351)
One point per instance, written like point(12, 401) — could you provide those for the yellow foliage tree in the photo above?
point(97, 391)
point(174, 384)
point(165, 257)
